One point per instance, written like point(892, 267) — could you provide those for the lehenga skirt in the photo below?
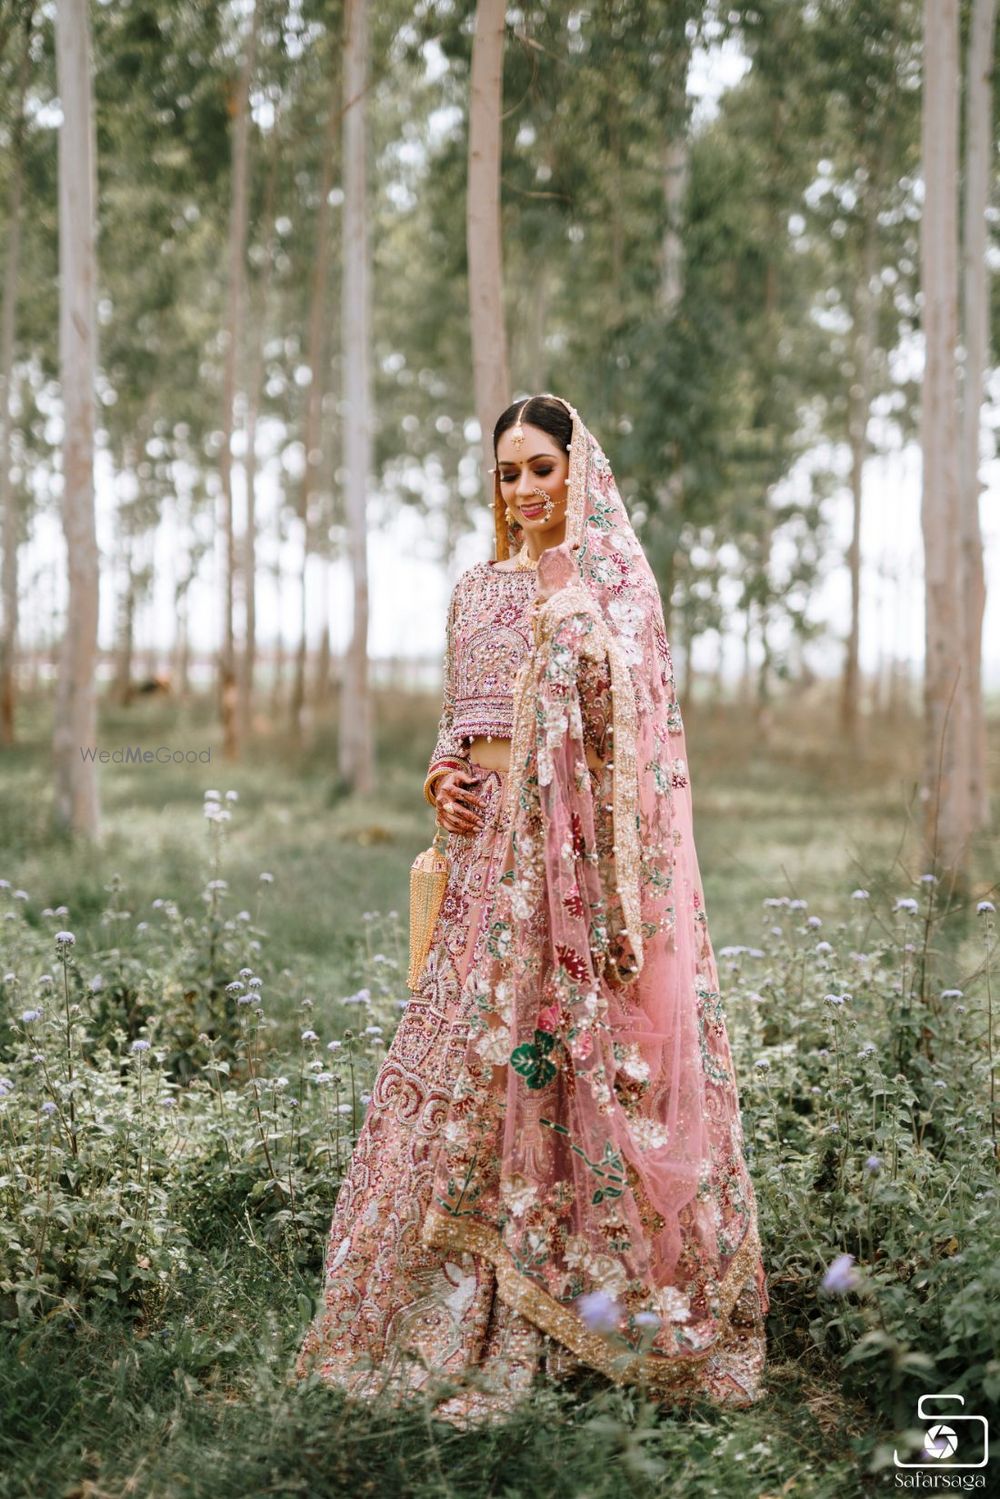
point(400, 1316)
point(397, 1315)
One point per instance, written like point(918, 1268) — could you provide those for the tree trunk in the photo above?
point(255, 375)
point(317, 361)
point(491, 376)
point(976, 308)
point(240, 112)
point(77, 803)
point(865, 321)
point(946, 825)
point(356, 726)
point(125, 642)
point(8, 331)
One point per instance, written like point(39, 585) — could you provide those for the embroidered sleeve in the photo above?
point(449, 751)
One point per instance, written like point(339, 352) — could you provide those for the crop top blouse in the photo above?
point(489, 633)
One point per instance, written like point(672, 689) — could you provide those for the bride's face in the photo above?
point(531, 473)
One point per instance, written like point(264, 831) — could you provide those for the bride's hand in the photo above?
point(456, 804)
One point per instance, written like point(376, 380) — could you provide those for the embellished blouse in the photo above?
point(489, 633)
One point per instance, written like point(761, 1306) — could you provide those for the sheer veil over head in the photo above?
point(593, 1142)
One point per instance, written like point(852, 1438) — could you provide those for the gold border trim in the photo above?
point(659, 1372)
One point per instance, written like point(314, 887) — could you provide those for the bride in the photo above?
point(551, 1173)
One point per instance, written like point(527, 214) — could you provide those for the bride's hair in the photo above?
point(540, 411)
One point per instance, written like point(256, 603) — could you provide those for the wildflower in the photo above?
point(873, 1165)
point(823, 947)
point(65, 939)
point(48, 1107)
point(246, 973)
point(21, 895)
point(598, 1311)
point(834, 999)
point(867, 1049)
point(234, 987)
point(232, 796)
point(776, 931)
point(951, 993)
point(61, 911)
point(45, 981)
point(309, 1035)
point(755, 952)
point(373, 1030)
point(158, 903)
point(908, 904)
point(841, 1275)
point(985, 907)
point(96, 983)
point(860, 895)
point(217, 885)
point(762, 1064)
point(797, 905)
point(646, 1319)
point(814, 921)
point(247, 999)
point(776, 900)
point(315, 1065)
point(366, 1099)
point(212, 796)
point(928, 879)
point(833, 1128)
point(939, 1082)
point(323, 1077)
point(6, 1086)
point(334, 1045)
point(243, 916)
point(254, 983)
point(266, 878)
point(140, 1045)
point(28, 1016)
point(10, 978)
point(168, 1102)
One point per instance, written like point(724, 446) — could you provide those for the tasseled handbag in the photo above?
point(428, 878)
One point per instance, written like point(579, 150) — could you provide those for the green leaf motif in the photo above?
point(531, 1061)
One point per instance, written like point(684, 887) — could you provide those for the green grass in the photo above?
point(201, 1406)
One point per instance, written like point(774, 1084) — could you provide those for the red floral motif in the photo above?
point(579, 842)
point(573, 901)
point(573, 963)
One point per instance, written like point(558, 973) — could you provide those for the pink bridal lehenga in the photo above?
point(551, 1173)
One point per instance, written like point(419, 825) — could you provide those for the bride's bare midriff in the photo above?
point(495, 753)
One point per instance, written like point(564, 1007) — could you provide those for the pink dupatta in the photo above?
point(593, 1141)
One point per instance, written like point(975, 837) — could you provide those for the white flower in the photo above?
point(860, 895)
point(984, 907)
point(65, 939)
point(908, 904)
point(674, 1304)
point(494, 1045)
point(309, 1035)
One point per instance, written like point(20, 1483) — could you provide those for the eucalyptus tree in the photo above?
point(945, 786)
point(861, 217)
point(9, 507)
point(77, 802)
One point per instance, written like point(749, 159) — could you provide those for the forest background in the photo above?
point(270, 269)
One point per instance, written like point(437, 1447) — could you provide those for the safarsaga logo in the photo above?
point(134, 754)
point(951, 1444)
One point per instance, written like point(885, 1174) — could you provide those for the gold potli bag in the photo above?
point(428, 878)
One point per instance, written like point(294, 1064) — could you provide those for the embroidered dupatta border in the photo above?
point(665, 1373)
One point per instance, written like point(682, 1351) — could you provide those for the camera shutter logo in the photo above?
point(941, 1441)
